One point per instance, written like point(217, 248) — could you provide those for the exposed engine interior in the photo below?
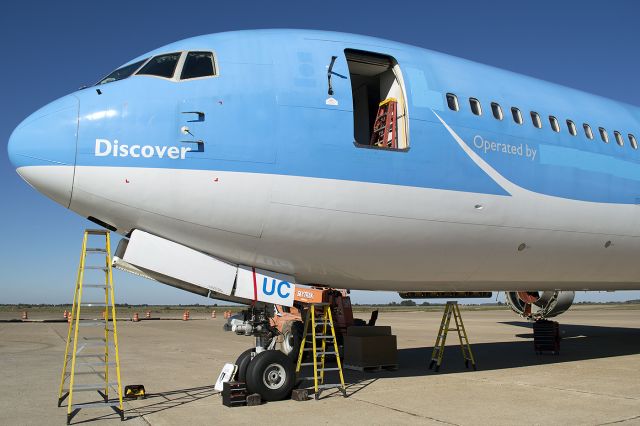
point(537, 305)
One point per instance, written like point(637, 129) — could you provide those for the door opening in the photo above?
point(376, 78)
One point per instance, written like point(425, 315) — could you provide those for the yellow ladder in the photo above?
point(451, 309)
point(312, 321)
point(80, 349)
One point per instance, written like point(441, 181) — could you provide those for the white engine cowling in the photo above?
point(539, 304)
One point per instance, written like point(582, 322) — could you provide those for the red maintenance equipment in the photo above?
point(268, 368)
point(290, 321)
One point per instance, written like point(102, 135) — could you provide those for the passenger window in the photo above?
point(554, 123)
point(452, 101)
point(633, 141)
point(572, 128)
point(587, 131)
point(497, 110)
point(535, 119)
point(122, 73)
point(517, 115)
point(604, 135)
point(476, 108)
point(619, 139)
point(161, 66)
point(198, 64)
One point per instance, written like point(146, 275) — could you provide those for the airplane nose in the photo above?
point(43, 148)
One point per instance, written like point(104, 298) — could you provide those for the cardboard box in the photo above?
point(370, 351)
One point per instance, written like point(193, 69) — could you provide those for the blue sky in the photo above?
point(51, 48)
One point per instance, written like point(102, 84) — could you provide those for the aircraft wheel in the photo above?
point(271, 374)
point(292, 339)
point(243, 362)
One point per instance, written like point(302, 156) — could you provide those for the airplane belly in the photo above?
point(372, 236)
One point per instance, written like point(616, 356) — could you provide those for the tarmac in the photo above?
point(593, 381)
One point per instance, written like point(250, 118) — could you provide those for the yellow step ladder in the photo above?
point(451, 309)
point(79, 360)
point(311, 337)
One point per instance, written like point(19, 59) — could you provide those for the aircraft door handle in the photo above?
point(199, 142)
point(200, 116)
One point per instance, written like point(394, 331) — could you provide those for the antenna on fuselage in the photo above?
point(329, 72)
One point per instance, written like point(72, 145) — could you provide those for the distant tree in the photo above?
point(407, 303)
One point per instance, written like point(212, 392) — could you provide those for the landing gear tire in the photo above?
point(292, 339)
point(243, 362)
point(271, 374)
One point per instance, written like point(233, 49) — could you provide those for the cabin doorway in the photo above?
point(376, 83)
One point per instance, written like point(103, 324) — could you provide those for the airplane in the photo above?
point(240, 165)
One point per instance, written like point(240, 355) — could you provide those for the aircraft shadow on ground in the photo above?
point(156, 402)
point(161, 401)
point(579, 342)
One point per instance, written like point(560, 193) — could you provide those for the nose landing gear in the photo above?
point(265, 370)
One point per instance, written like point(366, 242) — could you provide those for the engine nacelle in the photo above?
point(539, 304)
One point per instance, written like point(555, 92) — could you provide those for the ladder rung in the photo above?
point(100, 304)
point(96, 250)
point(96, 231)
point(83, 373)
point(100, 356)
point(96, 364)
point(321, 336)
point(82, 345)
point(320, 352)
point(308, 364)
point(91, 387)
point(94, 285)
point(104, 268)
point(329, 385)
point(96, 404)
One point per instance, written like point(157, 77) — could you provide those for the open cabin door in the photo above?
point(378, 89)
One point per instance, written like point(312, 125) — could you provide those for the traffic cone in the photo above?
point(185, 316)
point(24, 315)
point(213, 314)
point(136, 318)
point(66, 314)
point(147, 315)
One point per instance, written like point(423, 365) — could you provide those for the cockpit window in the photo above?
point(198, 64)
point(161, 65)
point(122, 73)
